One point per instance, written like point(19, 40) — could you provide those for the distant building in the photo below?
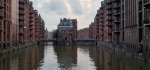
point(50, 35)
point(46, 34)
point(67, 29)
point(83, 33)
point(92, 30)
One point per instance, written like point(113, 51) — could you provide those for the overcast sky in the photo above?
point(52, 10)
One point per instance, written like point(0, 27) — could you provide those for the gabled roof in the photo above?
point(66, 22)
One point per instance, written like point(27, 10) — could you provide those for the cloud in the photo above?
point(52, 10)
point(57, 6)
point(76, 6)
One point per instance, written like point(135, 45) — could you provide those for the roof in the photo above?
point(67, 22)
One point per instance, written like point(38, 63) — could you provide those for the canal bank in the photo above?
point(126, 51)
point(19, 47)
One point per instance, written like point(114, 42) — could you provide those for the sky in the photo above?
point(52, 10)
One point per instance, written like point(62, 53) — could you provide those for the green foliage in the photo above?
point(55, 34)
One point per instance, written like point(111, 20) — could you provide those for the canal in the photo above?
point(49, 57)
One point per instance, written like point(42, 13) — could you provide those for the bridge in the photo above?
point(49, 40)
point(85, 40)
point(76, 40)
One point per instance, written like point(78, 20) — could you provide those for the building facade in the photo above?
point(101, 22)
point(126, 24)
point(17, 24)
point(144, 5)
point(83, 33)
point(92, 30)
point(67, 30)
point(96, 22)
point(105, 21)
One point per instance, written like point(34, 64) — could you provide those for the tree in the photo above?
point(55, 34)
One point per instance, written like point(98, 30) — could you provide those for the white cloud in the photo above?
point(52, 10)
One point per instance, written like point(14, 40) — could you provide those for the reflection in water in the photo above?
point(28, 59)
point(106, 59)
point(51, 57)
point(66, 56)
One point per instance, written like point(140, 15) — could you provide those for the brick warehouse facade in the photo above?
point(92, 30)
point(83, 33)
point(145, 24)
point(67, 30)
point(20, 24)
point(1, 23)
point(96, 21)
point(128, 22)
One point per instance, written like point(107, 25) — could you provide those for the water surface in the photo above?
point(49, 57)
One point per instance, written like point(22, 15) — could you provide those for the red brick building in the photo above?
point(32, 26)
point(18, 25)
point(83, 33)
point(7, 24)
point(1, 23)
point(92, 31)
point(101, 22)
point(31, 23)
point(67, 30)
point(105, 21)
point(96, 22)
point(128, 23)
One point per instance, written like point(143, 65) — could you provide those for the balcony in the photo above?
point(31, 24)
point(31, 29)
point(1, 29)
point(21, 12)
point(101, 16)
point(1, 5)
point(109, 7)
point(22, 1)
point(109, 31)
point(147, 23)
point(109, 1)
point(101, 24)
point(31, 35)
point(116, 32)
point(21, 24)
point(31, 20)
point(101, 7)
point(101, 28)
point(117, 20)
point(21, 31)
point(21, 18)
point(116, 13)
point(31, 12)
point(109, 25)
point(116, 6)
point(109, 13)
point(21, 6)
point(116, 29)
point(1, 15)
point(147, 4)
point(109, 19)
point(101, 13)
point(115, 0)
point(31, 16)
